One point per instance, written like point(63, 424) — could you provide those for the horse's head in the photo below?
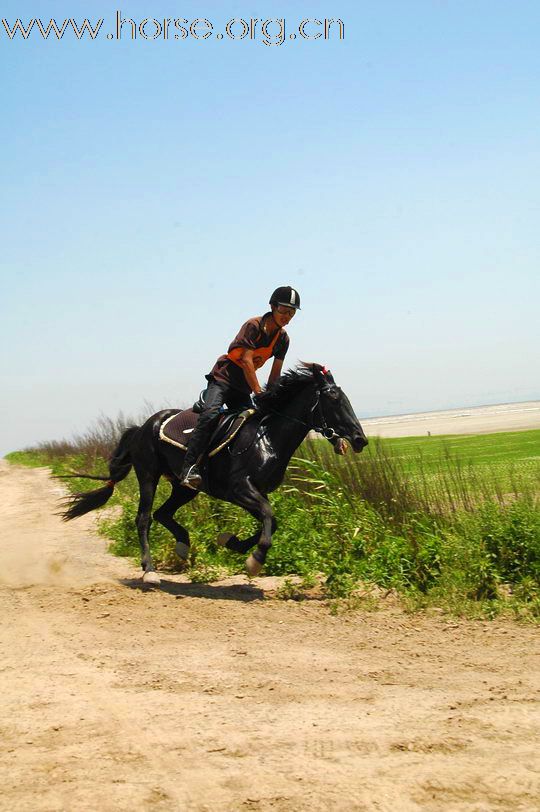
point(333, 415)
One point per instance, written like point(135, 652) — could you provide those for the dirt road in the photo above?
point(219, 698)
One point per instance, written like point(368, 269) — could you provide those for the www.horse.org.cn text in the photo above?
point(269, 32)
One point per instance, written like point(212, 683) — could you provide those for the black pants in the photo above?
point(215, 396)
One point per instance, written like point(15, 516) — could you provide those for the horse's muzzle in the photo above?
point(358, 441)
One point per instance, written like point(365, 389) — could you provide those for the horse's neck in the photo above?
point(295, 423)
point(300, 406)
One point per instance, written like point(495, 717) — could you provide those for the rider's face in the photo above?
point(282, 314)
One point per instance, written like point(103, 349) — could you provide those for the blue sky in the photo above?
point(155, 192)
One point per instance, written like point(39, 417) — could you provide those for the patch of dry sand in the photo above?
point(477, 420)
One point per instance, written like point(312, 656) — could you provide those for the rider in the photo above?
point(233, 377)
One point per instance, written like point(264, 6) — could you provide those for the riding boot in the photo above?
point(191, 475)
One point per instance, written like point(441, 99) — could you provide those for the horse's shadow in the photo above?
point(232, 592)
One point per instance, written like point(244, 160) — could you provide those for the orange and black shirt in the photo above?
point(251, 336)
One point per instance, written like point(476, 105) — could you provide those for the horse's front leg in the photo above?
point(246, 495)
point(232, 542)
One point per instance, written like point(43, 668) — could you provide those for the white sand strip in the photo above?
point(475, 420)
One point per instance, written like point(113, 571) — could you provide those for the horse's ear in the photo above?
point(319, 372)
point(323, 375)
point(328, 376)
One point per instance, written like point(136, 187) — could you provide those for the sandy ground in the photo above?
point(474, 420)
point(217, 697)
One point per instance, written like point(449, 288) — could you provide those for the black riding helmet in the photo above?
point(286, 296)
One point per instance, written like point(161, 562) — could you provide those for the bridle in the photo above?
point(327, 431)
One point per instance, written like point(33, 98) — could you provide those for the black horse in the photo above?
point(245, 473)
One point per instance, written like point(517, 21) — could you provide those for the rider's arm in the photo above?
point(275, 371)
point(246, 362)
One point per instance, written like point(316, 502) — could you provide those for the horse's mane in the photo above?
point(285, 388)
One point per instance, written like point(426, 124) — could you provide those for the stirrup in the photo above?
point(192, 479)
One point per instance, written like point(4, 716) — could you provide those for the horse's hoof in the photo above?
point(182, 550)
point(151, 577)
point(253, 566)
point(223, 538)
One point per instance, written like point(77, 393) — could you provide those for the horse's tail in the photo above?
point(119, 467)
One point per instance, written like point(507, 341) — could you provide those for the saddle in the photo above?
point(176, 429)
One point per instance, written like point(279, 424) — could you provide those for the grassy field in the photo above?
point(439, 474)
point(451, 522)
point(521, 447)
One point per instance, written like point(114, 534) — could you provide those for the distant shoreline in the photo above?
point(464, 420)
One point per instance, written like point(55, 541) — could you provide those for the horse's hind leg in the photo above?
point(147, 487)
point(165, 516)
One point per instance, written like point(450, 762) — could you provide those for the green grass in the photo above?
point(31, 458)
point(480, 449)
point(451, 522)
